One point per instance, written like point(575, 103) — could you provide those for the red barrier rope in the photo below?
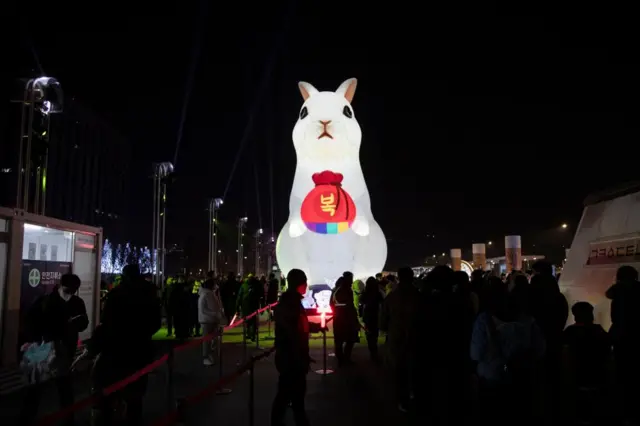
point(66, 412)
point(170, 418)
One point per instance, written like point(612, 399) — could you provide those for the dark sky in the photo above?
point(477, 122)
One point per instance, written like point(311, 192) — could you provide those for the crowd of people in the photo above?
point(495, 348)
point(467, 350)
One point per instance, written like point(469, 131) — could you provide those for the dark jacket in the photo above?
point(131, 316)
point(372, 302)
point(345, 317)
point(625, 317)
point(292, 334)
point(272, 291)
point(51, 319)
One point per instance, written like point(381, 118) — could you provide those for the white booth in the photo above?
point(35, 251)
point(608, 237)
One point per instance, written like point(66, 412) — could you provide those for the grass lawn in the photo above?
point(266, 338)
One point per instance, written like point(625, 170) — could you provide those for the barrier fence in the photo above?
point(174, 409)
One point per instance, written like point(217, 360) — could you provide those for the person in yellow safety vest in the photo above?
point(358, 288)
point(166, 297)
point(392, 284)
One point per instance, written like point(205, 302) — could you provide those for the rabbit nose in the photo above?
point(324, 123)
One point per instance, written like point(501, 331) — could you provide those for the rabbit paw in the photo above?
point(360, 226)
point(296, 228)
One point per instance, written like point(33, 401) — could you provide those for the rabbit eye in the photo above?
point(303, 113)
point(347, 111)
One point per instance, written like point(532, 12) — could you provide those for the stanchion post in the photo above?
point(257, 320)
point(323, 324)
point(170, 386)
point(181, 409)
point(251, 394)
point(220, 369)
point(222, 391)
point(244, 339)
point(324, 351)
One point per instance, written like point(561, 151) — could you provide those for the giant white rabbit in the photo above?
point(330, 228)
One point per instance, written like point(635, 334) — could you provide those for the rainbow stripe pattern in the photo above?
point(331, 228)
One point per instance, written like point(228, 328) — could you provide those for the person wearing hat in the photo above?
point(57, 317)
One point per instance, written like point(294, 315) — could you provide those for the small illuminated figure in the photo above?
point(331, 228)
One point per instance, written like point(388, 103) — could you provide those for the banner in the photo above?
point(39, 277)
point(614, 252)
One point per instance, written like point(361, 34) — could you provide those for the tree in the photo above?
point(144, 256)
point(106, 265)
point(118, 261)
point(126, 254)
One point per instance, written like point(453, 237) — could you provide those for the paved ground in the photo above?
point(356, 393)
point(351, 396)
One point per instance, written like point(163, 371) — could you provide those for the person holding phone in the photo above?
point(58, 317)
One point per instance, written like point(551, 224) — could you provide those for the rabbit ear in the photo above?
point(306, 89)
point(348, 89)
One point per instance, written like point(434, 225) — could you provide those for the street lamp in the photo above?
point(564, 226)
point(42, 97)
point(214, 206)
point(162, 171)
point(242, 222)
point(258, 234)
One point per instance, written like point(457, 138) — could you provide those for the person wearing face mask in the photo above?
point(57, 317)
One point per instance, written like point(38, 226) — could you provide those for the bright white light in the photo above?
point(331, 228)
point(32, 227)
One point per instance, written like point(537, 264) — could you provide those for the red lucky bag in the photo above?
point(328, 208)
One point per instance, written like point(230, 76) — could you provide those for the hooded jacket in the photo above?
point(209, 307)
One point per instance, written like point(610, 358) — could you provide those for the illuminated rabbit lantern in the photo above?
point(330, 228)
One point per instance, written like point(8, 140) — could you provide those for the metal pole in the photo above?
point(240, 249)
point(251, 394)
point(45, 166)
point(170, 384)
point(154, 255)
point(164, 226)
point(210, 264)
point(270, 311)
point(257, 259)
point(244, 339)
point(324, 351)
point(223, 391)
point(27, 174)
point(158, 229)
point(257, 319)
point(36, 198)
point(23, 122)
point(215, 241)
point(220, 369)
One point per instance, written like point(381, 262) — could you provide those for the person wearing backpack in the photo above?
point(507, 346)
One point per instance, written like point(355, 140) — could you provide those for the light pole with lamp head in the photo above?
point(162, 171)
point(258, 234)
point(214, 206)
point(42, 97)
point(242, 222)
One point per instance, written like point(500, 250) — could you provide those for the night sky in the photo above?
point(477, 122)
